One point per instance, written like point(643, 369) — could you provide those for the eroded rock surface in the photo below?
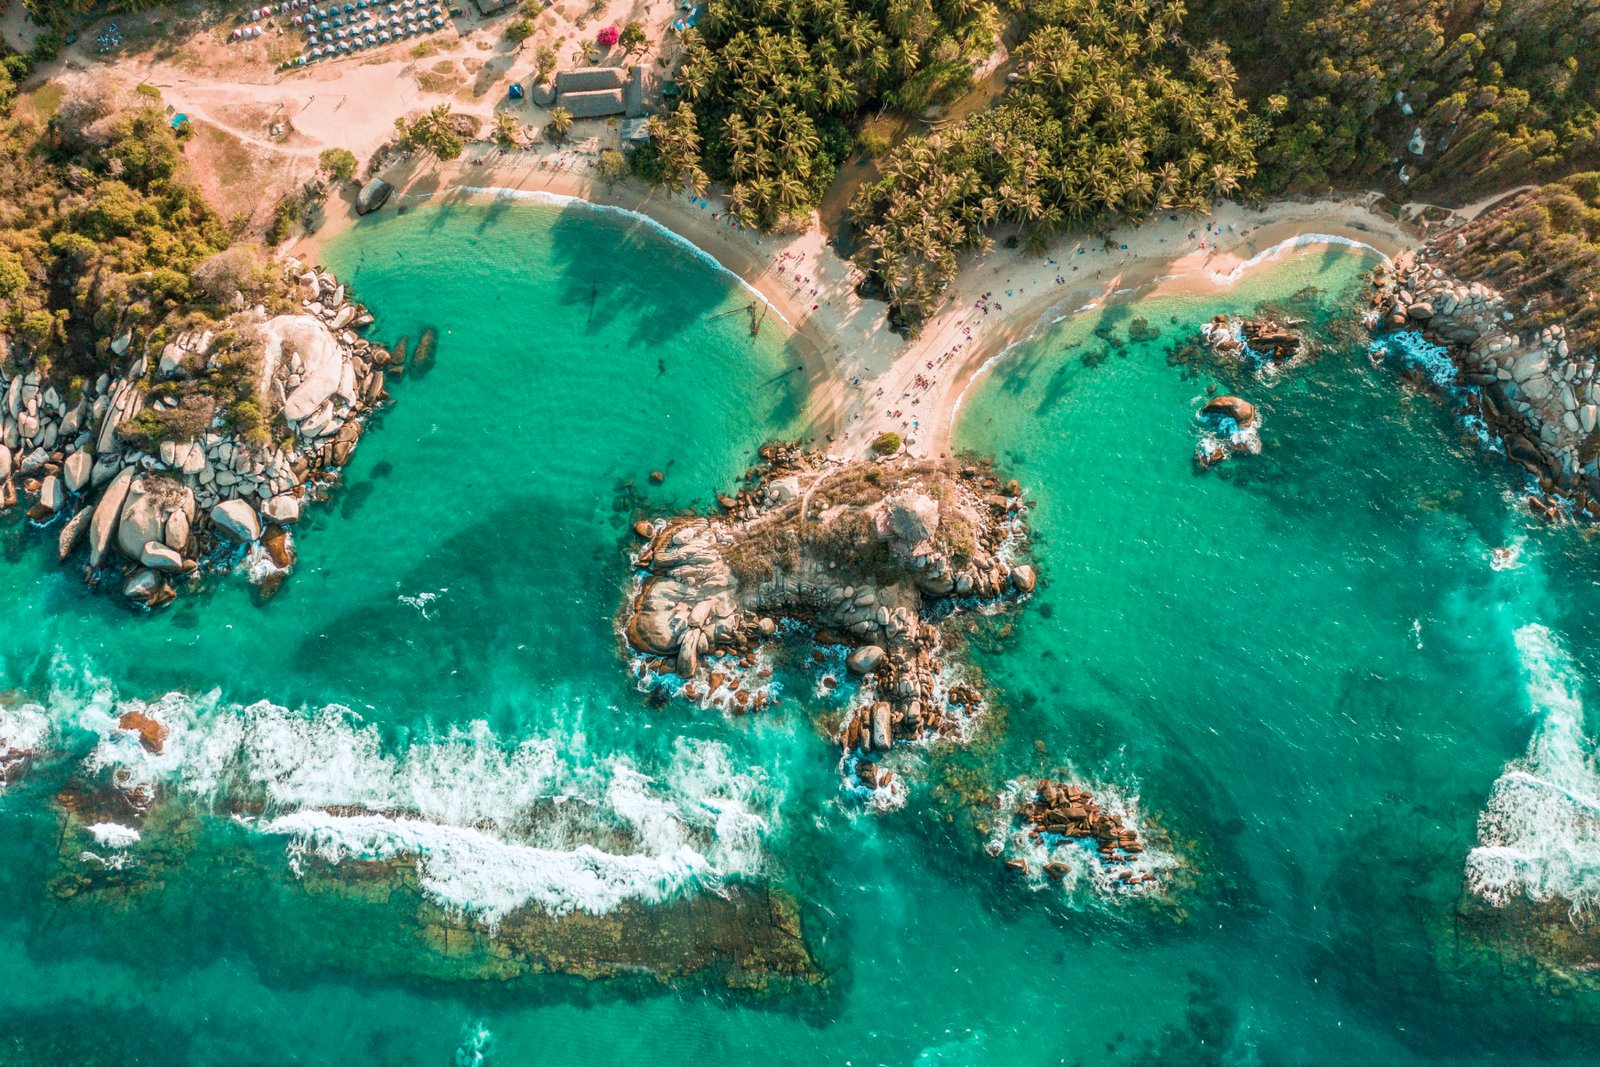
point(859, 553)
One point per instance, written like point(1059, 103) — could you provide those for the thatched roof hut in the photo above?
point(589, 79)
point(597, 103)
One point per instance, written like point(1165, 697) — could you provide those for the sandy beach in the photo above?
point(864, 378)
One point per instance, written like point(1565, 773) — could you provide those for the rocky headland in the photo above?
point(1504, 297)
point(153, 475)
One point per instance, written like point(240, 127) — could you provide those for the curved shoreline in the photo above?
point(985, 360)
point(863, 379)
point(564, 200)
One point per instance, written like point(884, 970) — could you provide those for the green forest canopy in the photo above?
point(101, 231)
point(1123, 107)
point(1542, 250)
point(772, 85)
point(1109, 121)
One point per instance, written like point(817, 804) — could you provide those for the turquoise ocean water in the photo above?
point(1301, 663)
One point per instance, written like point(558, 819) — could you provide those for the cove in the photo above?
point(1301, 663)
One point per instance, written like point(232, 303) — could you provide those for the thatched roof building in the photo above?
point(589, 79)
point(594, 104)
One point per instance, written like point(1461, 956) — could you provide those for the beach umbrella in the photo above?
point(372, 38)
point(384, 37)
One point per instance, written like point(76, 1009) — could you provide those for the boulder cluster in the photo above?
point(1266, 340)
point(856, 553)
point(1535, 392)
point(1061, 810)
point(151, 513)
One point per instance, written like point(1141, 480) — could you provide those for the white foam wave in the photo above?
point(1080, 867)
point(476, 1040)
point(24, 728)
point(1297, 241)
point(24, 731)
point(542, 196)
point(1539, 836)
point(492, 826)
point(114, 835)
point(259, 565)
point(983, 368)
point(1415, 351)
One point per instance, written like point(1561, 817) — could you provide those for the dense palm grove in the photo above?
point(1109, 121)
point(1123, 107)
point(771, 84)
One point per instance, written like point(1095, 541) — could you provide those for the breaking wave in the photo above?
point(24, 731)
point(1303, 240)
point(1539, 836)
point(491, 825)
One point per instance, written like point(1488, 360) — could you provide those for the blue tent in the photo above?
point(516, 90)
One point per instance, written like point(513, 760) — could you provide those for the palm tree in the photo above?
point(560, 124)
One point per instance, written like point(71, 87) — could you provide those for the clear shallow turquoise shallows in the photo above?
point(1301, 661)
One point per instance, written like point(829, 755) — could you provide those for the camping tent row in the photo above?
point(260, 14)
point(327, 33)
point(353, 40)
point(328, 21)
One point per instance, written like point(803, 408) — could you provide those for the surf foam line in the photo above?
point(1539, 835)
point(1287, 244)
point(492, 826)
point(544, 196)
point(984, 368)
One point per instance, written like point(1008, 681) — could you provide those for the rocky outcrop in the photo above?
point(1262, 341)
point(1240, 410)
point(372, 196)
point(857, 553)
point(1055, 812)
point(1539, 394)
point(155, 510)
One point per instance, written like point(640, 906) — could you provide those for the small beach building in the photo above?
point(589, 79)
point(636, 131)
point(489, 7)
point(594, 104)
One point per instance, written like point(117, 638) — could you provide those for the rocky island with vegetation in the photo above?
point(873, 555)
